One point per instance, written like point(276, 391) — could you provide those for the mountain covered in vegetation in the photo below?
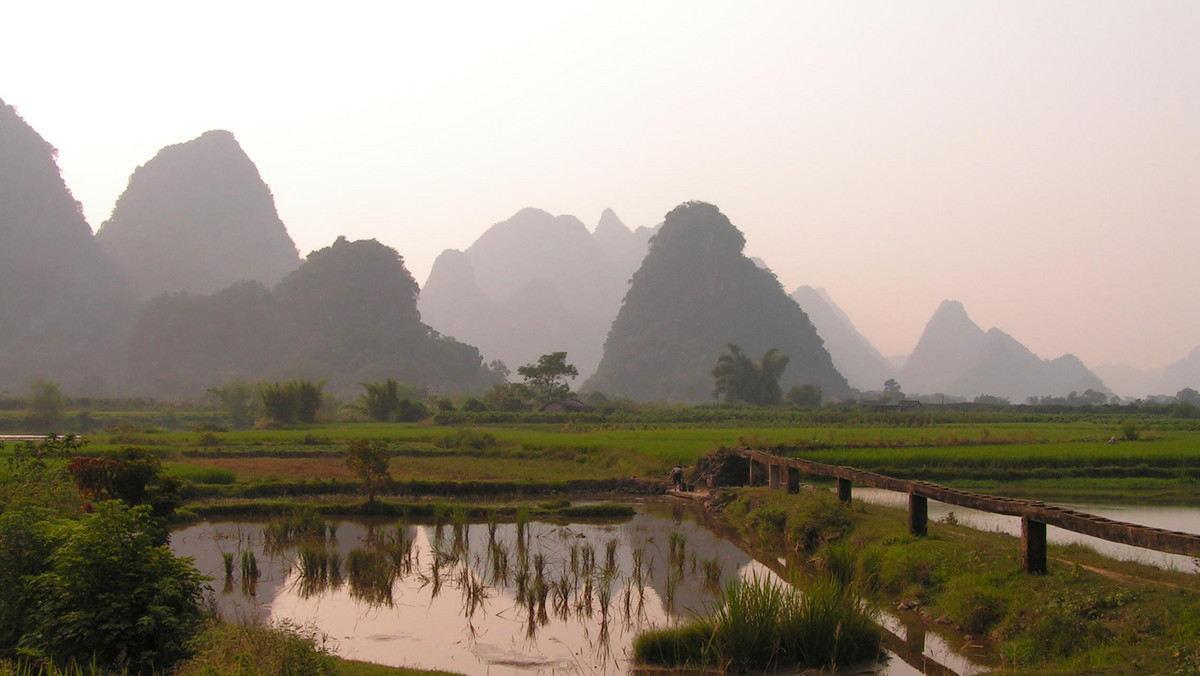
point(197, 218)
point(348, 315)
point(694, 295)
point(853, 355)
point(535, 284)
point(63, 306)
point(956, 357)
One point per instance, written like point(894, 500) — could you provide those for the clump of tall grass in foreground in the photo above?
point(282, 648)
point(762, 624)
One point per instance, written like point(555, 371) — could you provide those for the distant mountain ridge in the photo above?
point(534, 284)
point(853, 355)
point(63, 306)
point(347, 315)
point(196, 218)
point(954, 356)
point(694, 294)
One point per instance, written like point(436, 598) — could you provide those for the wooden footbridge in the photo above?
point(782, 472)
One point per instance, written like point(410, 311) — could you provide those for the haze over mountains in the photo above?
point(695, 294)
point(535, 284)
point(197, 218)
point(194, 280)
point(63, 305)
point(852, 353)
point(955, 356)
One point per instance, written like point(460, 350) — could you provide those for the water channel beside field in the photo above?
point(1183, 519)
point(602, 584)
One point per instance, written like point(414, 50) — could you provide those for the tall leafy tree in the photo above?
point(738, 378)
point(45, 407)
point(379, 400)
point(236, 398)
point(546, 380)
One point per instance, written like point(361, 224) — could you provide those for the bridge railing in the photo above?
point(778, 471)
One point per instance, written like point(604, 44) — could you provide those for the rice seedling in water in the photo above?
point(493, 520)
point(587, 560)
point(604, 596)
point(314, 563)
point(249, 565)
point(474, 591)
point(562, 595)
point(539, 567)
point(712, 574)
point(250, 573)
point(335, 568)
point(522, 524)
point(639, 555)
point(399, 549)
point(610, 557)
point(460, 528)
point(669, 592)
point(499, 563)
point(227, 562)
point(370, 577)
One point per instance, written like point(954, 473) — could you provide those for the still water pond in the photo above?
point(489, 599)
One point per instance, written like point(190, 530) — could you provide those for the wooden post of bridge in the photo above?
point(793, 479)
point(773, 471)
point(918, 515)
point(844, 489)
point(1033, 546)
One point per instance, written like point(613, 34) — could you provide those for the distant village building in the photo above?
point(901, 406)
point(566, 406)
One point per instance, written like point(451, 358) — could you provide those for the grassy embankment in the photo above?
point(1088, 615)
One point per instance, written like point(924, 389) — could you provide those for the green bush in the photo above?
point(110, 591)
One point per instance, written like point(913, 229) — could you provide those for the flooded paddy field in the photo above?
point(493, 598)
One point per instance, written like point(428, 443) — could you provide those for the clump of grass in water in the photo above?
point(712, 574)
point(370, 577)
point(399, 549)
point(249, 565)
point(639, 556)
point(830, 626)
point(493, 520)
point(499, 556)
point(227, 562)
point(760, 621)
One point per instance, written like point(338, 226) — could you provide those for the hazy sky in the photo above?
point(1038, 161)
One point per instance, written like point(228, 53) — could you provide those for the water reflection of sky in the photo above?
point(500, 637)
point(421, 629)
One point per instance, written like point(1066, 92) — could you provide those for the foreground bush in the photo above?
point(109, 592)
